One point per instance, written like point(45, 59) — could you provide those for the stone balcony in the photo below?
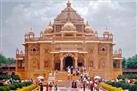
point(67, 38)
point(117, 55)
point(68, 48)
point(20, 56)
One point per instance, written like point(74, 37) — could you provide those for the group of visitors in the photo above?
point(86, 82)
point(75, 71)
point(49, 86)
point(93, 85)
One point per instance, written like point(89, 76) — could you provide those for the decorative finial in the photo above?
point(50, 24)
point(87, 23)
point(106, 28)
point(69, 3)
point(31, 28)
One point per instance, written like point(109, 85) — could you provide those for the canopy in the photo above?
point(40, 77)
point(97, 77)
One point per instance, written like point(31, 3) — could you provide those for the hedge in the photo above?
point(29, 88)
point(6, 76)
point(110, 88)
point(4, 88)
point(14, 86)
point(124, 85)
point(128, 75)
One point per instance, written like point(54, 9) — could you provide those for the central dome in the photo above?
point(69, 27)
point(73, 15)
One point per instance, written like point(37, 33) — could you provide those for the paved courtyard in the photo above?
point(66, 86)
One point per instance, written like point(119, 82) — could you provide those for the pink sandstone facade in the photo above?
point(68, 42)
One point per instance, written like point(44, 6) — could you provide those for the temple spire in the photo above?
point(68, 3)
point(68, 18)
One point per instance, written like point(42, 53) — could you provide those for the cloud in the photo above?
point(18, 16)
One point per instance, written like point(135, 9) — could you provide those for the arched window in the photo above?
point(34, 49)
point(103, 49)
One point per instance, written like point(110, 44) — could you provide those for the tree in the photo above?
point(4, 60)
point(124, 63)
point(132, 62)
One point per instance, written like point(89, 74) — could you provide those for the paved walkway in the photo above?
point(67, 89)
point(66, 86)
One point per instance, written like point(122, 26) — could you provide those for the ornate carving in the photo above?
point(101, 64)
point(91, 64)
point(34, 49)
point(35, 64)
point(103, 49)
point(46, 64)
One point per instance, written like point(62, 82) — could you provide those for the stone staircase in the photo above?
point(51, 77)
point(63, 75)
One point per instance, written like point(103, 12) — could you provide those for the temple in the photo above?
point(68, 41)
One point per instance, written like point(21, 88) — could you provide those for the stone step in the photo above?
point(63, 75)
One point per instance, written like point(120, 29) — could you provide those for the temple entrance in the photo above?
point(68, 61)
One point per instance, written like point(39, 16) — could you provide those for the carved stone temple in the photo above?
point(68, 41)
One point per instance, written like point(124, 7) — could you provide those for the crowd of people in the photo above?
point(75, 71)
point(92, 85)
point(85, 81)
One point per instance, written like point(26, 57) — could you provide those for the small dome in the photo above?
point(69, 27)
point(106, 33)
point(30, 33)
point(49, 28)
point(88, 28)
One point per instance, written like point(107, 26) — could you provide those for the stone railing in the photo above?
point(20, 55)
point(68, 38)
point(117, 55)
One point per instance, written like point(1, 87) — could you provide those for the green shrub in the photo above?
point(20, 85)
point(133, 88)
point(121, 77)
point(12, 87)
point(4, 76)
point(16, 85)
point(124, 85)
point(26, 83)
point(4, 88)
point(15, 77)
point(135, 83)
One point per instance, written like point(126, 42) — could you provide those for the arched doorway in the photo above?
point(68, 61)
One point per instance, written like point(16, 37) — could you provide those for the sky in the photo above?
point(18, 16)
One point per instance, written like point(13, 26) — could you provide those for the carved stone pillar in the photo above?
point(61, 63)
point(52, 62)
point(120, 63)
point(76, 62)
point(62, 35)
